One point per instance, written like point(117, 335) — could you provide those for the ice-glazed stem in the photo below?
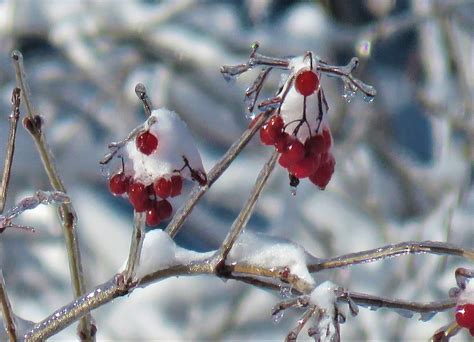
point(141, 92)
point(345, 73)
point(178, 219)
point(136, 245)
point(14, 116)
point(66, 211)
point(8, 316)
point(244, 215)
point(404, 248)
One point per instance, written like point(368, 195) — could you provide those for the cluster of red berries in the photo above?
point(312, 158)
point(465, 316)
point(152, 198)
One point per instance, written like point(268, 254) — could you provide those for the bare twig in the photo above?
point(135, 246)
point(66, 211)
point(8, 316)
point(140, 90)
point(244, 215)
point(178, 219)
point(14, 116)
point(404, 248)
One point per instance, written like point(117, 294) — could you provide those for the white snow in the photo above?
point(174, 142)
point(159, 252)
point(268, 251)
point(292, 107)
point(323, 297)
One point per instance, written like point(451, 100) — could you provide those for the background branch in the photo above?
point(8, 316)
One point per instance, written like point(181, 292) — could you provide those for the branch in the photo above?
point(8, 316)
point(14, 116)
point(33, 125)
point(389, 251)
point(244, 215)
point(135, 246)
point(178, 219)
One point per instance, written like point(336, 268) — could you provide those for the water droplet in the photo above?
point(285, 291)
point(368, 98)
point(105, 170)
point(293, 190)
point(250, 116)
point(426, 316)
point(278, 316)
point(349, 93)
point(229, 77)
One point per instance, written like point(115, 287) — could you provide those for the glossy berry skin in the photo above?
point(164, 209)
point(152, 217)
point(305, 167)
point(162, 187)
point(465, 316)
point(271, 131)
point(306, 82)
point(146, 143)
point(282, 142)
point(294, 152)
point(139, 196)
point(176, 185)
point(118, 184)
point(315, 145)
point(324, 173)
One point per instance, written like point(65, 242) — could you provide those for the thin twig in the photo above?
point(140, 90)
point(178, 219)
point(14, 116)
point(8, 316)
point(244, 215)
point(135, 246)
point(66, 211)
point(389, 251)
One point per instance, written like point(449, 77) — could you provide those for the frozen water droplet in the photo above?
point(426, 316)
point(229, 77)
point(349, 93)
point(285, 291)
point(250, 116)
point(368, 98)
point(105, 170)
point(293, 190)
point(278, 316)
point(405, 313)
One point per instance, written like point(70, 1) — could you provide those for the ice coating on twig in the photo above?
point(467, 295)
point(324, 298)
point(28, 203)
point(267, 251)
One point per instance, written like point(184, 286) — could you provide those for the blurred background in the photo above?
point(404, 162)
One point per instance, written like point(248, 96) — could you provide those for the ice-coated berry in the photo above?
point(294, 152)
point(164, 209)
point(324, 173)
point(162, 187)
point(465, 315)
point(271, 130)
point(282, 142)
point(315, 145)
point(306, 82)
point(146, 142)
point(327, 138)
point(305, 167)
point(139, 196)
point(152, 217)
point(119, 183)
point(176, 185)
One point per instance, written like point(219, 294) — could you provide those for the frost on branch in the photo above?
point(270, 252)
point(154, 160)
point(28, 203)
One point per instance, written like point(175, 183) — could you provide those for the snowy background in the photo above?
point(404, 161)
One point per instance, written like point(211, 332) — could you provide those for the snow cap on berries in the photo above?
point(174, 149)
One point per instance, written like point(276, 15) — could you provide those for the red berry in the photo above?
point(146, 142)
point(294, 152)
point(465, 315)
point(176, 185)
point(306, 82)
point(324, 173)
point(471, 331)
point(139, 196)
point(272, 130)
point(119, 183)
point(327, 138)
point(282, 142)
point(164, 209)
point(315, 145)
point(283, 161)
point(162, 187)
point(152, 217)
point(305, 167)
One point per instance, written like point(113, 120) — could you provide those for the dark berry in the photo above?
point(282, 142)
point(119, 183)
point(146, 143)
point(305, 167)
point(294, 152)
point(271, 130)
point(162, 187)
point(139, 196)
point(176, 185)
point(327, 138)
point(315, 145)
point(164, 209)
point(324, 173)
point(306, 82)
